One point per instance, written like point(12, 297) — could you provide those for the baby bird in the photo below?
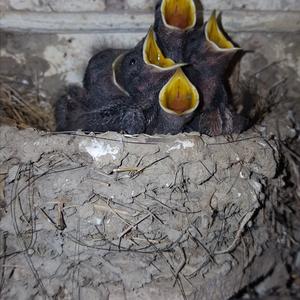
point(148, 76)
point(173, 20)
point(209, 53)
point(99, 79)
point(102, 105)
point(146, 90)
point(73, 113)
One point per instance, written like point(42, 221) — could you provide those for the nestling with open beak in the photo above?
point(209, 53)
point(174, 80)
point(143, 72)
point(173, 19)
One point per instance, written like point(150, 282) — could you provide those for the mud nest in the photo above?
point(185, 216)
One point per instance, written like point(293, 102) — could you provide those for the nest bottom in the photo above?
point(168, 217)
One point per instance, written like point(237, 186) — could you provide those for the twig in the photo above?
point(247, 217)
point(133, 225)
point(127, 169)
point(105, 208)
point(180, 266)
point(149, 165)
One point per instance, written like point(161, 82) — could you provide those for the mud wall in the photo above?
point(48, 43)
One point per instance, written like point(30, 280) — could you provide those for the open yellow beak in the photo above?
point(215, 36)
point(153, 55)
point(179, 96)
point(179, 14)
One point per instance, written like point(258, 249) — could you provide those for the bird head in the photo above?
point(153, 56)
point(144, 69)
point(209, 49)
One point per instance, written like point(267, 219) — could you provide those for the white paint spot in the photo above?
point(263, 144)
point(64, 59)
point(181, 145)
point(97, 149)
point(55, 54)
point(24, 81)
point(98, 221)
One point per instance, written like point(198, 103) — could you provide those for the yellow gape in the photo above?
point(179, 96)
point(153, 55)
point(215, 35)
point(180, 14)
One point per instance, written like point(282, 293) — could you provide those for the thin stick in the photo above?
point(134, 225)
point(247, 217)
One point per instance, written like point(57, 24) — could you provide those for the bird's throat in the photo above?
point(179, 96)
point(152, 53)
point(180, 14)
point(215, 35)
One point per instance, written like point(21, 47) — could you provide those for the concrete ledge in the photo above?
point(140, 5)
point(234, 21)
point(54, 5)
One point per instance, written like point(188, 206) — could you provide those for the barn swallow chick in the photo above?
point(72, 103)
point(73, 113)
point(209, 49)
point(144, 70)
point(178, 100)
point(173, 19)
point(99, 79)
point(106, 104)
point(209, 53)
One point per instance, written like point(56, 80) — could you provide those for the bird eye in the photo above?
point(132, 62)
